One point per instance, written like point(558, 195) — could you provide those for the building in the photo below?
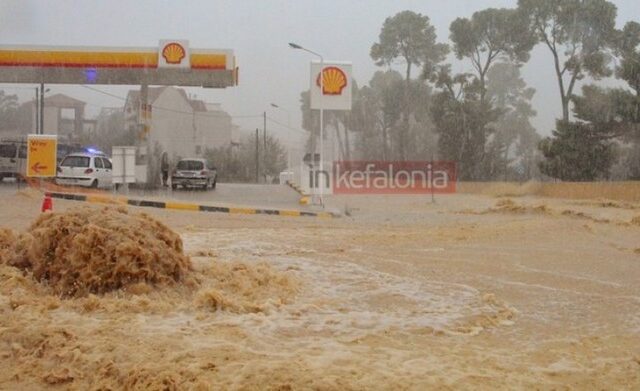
point(63, 116)
point(178, 125)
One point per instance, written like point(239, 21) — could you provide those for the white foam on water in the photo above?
point(342, 299)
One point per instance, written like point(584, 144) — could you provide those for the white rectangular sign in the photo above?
point(124, 164)
point(336, 86)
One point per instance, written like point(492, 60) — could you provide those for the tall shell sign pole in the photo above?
point(336, 86)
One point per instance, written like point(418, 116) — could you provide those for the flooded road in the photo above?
point(472, 291)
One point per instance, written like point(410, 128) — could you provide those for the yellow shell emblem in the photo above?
point(173, 53)
point(333, 81)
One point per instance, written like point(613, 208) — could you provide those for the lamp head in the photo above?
point(295, 45)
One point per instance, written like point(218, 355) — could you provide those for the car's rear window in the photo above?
point(190, 165)
point(8, 150)
point(75, 161)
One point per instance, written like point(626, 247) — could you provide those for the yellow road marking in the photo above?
point(102, 199)
point(181, 206)
point(289, 213)
point(246, 211)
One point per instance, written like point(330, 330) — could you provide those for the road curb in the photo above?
point(305, 199)
point(103, 199)
point(297, 188)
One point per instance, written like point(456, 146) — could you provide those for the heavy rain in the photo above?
point(336, 195)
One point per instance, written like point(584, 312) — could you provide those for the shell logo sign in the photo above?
point(336, 86)
point(333, 81)
point(174, 54)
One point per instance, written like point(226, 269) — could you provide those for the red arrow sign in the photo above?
point(38, 167)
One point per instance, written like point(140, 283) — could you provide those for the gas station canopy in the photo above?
point(171, 63)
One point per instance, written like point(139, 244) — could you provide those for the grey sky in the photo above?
point(258, 31)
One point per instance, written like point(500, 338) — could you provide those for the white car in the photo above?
point(194, 172)
point(85, 169)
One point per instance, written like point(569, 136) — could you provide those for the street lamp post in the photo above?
point(36, 111)
point(319, 176)
point(39, 108)
point(289, 126)
point(286, 111)
point(42, 108)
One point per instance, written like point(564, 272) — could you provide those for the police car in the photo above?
point(88, 169)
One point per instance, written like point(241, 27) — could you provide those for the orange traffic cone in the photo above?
point(47, 203)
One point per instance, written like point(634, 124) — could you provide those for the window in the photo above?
point(107, 164)
point(75, 161)
point(98, 162)
point(190, 165)
point(7, 150)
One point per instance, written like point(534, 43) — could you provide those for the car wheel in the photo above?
point(94, 184)
point(174, 187)
point(213, 185)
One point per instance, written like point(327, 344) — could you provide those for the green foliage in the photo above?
point(238, 163)
point(513, 150)
point(613, 108)
point(375, 120)
point(461, 120)
point(577, 152)
point(8, 111)
point(411, 37)
point(579, 34)
point(491, 34)
point(110, 131)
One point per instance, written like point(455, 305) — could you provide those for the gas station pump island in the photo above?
point(172, 63)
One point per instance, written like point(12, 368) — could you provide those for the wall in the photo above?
point(173, 129)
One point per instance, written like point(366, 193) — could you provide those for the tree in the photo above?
point(578, 34)
point(489, 35)
point(613, 111)
point(389, 92)
point(8, 111)
point(627, 42)
point(412, 38)
point(513, 150)
point(339, 120)
point(110, 131)
point(577, 152)
point(409, 37)
point(460, 122)
point(238, 164)
point(627, 47)
point(616, 111)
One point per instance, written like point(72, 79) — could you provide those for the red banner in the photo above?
point(386, 177)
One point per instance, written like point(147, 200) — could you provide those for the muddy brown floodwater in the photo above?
point(475, 291)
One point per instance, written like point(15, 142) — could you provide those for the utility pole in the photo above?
point(433, 197)
point(36, 112)
point(257, 156)
point(42, 108)
point(264, 152)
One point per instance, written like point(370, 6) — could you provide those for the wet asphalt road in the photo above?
point(253, 195)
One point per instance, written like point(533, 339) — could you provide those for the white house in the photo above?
point(180, 126)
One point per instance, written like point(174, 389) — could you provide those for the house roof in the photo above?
point(61, 101)
point(154, 93)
